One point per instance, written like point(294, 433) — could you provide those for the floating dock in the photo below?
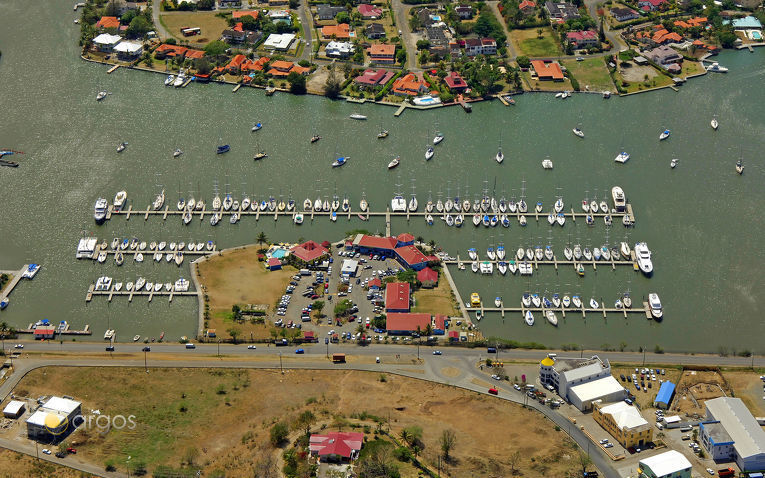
point(17, 276)
point(554, 262)
point(110, 294)
point(148, 253)
point(563, 311)
point(112, 69)
point(67, 331)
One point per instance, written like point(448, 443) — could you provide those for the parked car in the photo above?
point(436, 352)
point(60, 454)
point(146, 349)
point(494, 391)
point(299, 351)
point(19, 346)
point(46, 451)
point(73, 451)
point(251, 347)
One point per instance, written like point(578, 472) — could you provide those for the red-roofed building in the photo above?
point(428, 277)
point(404, 239)
point(651, 5)
point(691, 22)
point(406, 323)
point(455, 82)
point(107, 22)
point(238, 14)
point(411, 257)
point(382, 54)
point(375, 244)
point(440, 323)
point(583, 38)
point(375, 283)
point(169, 51)
point(454, 336)
point(369, 12)
point(234, 66)
point(44, 332)
point(527, 7)
point(410, 85)
point(255, 65)
point(373, 78)
point(309, 337)
point(547, 70)
point(397, 297)
point(194, 54)
point(663, 36)
point(274, 264)
point(281, 68)
point(309, 252)
point(336, 446)
point(340, 31)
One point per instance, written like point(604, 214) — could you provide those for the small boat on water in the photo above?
point(394, 162)
point(576, 301)
point(739, 167)
point(673, 163)
point(566, 301)
point(270, 90)
point(578, 132)
point(500, 156)
point(429, 153)
point(223, 148)
point(122, 146)
point(357, 116)
point(177, 152)
point(99, 210)
point(136, 338)
point(715, 67)
point(382, 134)
point(547, 164)
point(315, 138)
point(119, 200)
point(256, 127)
point(169, 80)
point(664, 135)
point(340, 161)
point(298, 219)
point(101, 95)
point(551, 317)
point(498, 301)
point(529, 318)
point(180, 79)
point(260, 155)
point(594, 303)
point(655, 304)
point(643, 255)
point(622, 157)
point(438, 138)
point(714, 123)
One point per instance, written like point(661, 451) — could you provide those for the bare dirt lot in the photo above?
point(212, 26)
point(694, 388)
point(13, 465)
point(219, 420)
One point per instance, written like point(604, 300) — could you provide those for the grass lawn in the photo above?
point(220, 419)
point(236, 277)
point(538, 85)
point(438, 300)
point(691, 68)
point(212, 26)
point(526, 43)
point(592, 73)
point(635, 77)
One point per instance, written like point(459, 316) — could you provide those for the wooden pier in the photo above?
point(17, 276)
point(110, 294)
point(67, 331)
point(400, 110)
point(112, 69)
point(236, 88)
point(562, 310)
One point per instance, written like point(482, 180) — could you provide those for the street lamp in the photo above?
point(280, 363)
point(127, 465)
point(218, 347)
point(145, 363)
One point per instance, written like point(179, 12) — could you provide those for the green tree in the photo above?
point(304, 421)
point(216, 48)
point(401, 55)
point(297, 83)
point(407, 275)
point(343, 17)
point(202, 66)
point(423, 44)
point(261, 239)
point(318, 306)
point(584, 461)
point(523, 61)
point(206, 4)
point(448, 441)
point(333, 84)
point(234, 332)
point(279, 433)
point(138, 28)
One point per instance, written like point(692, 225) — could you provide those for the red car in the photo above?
point(494, 391)
point(73, 451)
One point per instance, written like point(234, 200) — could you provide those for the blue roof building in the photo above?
point(745, 23)
point(664, 397)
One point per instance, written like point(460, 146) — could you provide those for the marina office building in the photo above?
point(581, 381)
point(670, 464)
point(624, 423)
point(54, 420)
point(731, 433)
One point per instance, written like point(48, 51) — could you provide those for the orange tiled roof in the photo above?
point(662, 36)
point(237, 61)
point(256, 65)
point(275, 72)
point(551, 69)
point(526, 4)
point(243, 13)
point(108, 22)
point(409, 85)
point(282, 65)
point(382, 50)
point(172, 50)
point(194, 54)
point(339, 31)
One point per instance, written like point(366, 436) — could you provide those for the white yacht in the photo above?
point(620, 201)
point(529, 318)
point(159, 200)
point(643, 255)
point(398, 203)
point(394, 162)
point(578, 132)
point(169, 80)
point(655, 304)
point(99, 213)
point(180, 79)
point(500, 156)
point(715, 67)
point(181, 285)
point(119, 200)
point(547, 164)
point(551, 317)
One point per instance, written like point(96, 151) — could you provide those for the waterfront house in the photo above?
point(700, 45)
point(560, 12)
point(455, 82)
point(651, 5)
point(235, 65)
point(336, 49)
point(337, 32)
point(374, 31)
point(107, 22)
point(369, 12)
point(254, 65)
point(665, 57)
point(106, 42)
point(239, 14)
point(372, 78)
point(410, 85)
point(274, 264)
point(624, 14)
point(691, 22)
point(583, 38)
point(661, 36)
point(527, 7)
point(282, 69)
point(169, 51)
point(397, 297)
point(128, 50)
point(326, 12)
point(428, 277)
point(382, 54)
point(465, 12)
point(407, 323)
point(547, 70)
point(336, 446)
point(279, 41)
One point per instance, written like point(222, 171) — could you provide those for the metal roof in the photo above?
point(665, 392)
point(748, 436)
point(597, 389)
point(625, 416)
point(666, 463)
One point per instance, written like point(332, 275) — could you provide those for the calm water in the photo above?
point(701, 220)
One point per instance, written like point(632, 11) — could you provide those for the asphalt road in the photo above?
point(410, 40)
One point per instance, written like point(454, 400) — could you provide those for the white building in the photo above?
point(128, 50)
point(14, 409)
point(565, 373)
point(349, 268)
point(670, 464)
point(54, 419)
point(279, 41)
point(732, 433)
point(624, 423)
point(106, 42)
point(338, 49)
point(606, 389)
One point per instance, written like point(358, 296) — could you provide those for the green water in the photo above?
point(701, 220)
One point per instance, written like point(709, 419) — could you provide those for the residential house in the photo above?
point(128, 50)
point(561, 12)
point(107, 22)
point(547, 70)
point(436, 36)
point(662, 36)
point(254, 65)
point(369, 12)
point(120, 7)
point(465, 12)
point(488, 46)
point(698, 44)
point(455, 50)
point(169, 51)
point(425, 15)
point(279, 41)
point(229, 3)
point(691, 22)
point(235, 34)
point(235, 65)
point(456, 84)
point(336, 446)
point(326, 12)
point(583, 38)
point(473, 46)
point(239, 14)
point(665, 57)
point(651, 5)
point(106, 42)
point(382, 54)
point(374, 31)
point(527, 7)
point(336, 49)
point(282, 69)
point(372, 79)
point(280, 16)
point(337, 32)
point(309, 252)
point(624, 14)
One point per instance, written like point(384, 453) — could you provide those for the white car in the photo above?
point(516, 386)
point(710, 471)
point(251, 347)
point(46, 451)
point(19, 346)
point(496, 377)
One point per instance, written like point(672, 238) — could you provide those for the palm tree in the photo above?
point(406, 436)
point(261, 239)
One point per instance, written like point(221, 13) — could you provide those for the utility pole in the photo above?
point(218, 347)
point(644, 355)
point(280, 363)
point(145, 363)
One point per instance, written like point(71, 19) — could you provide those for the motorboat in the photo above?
point(180, 79)
point(578, 132)
point(502, 268)
point(522, 220)
point(528, 318)
point(234, 218)
point(101, 95)
point(260, 155)
point(394, 162)
point(594, 206)
point(215, 218)
point(476, 219)
point(539, 253)
point(605, 253)
point(627, 300)
point(568, 253)
point(119, 258)
point(99, 210)
point(316, 205)
point(673, 163)
point(448, 205)
point(474, 266)
point(618, 304)
point(577, 251)
point(413, 204)
point(382, 134)
point(246, 203)
point(522, 207)
point(622, 157)
point(551, 317)
point(181, 285)
point(589, 220)
point(429, 153)
point(620, 201)
point(625, 250)
point(307, 204)
point(223, 148)
point(340, 161)
point(398, 203)
point(498, 301)
point(429, 219)
point(472, 254)
point(346, 206)
point(536, 300)
point(102, 257)
point(594, 303)
point(136, 338)
point(177, 152)
point(191, 203)
point(122, 146)
point(739, 167)
point(500, 252)
point(357, 116)
point(142, 246)
point(178, 258)
point(539, 206)
point(169, 80)
point(655, 304)
point(157, 257)
point(438, 137)
point(561, 219)
point(548, 253)
point(210, 245)
point(643, 255)
point(315, 138)
point(216, 202)
point(715, 67)
point(228, 201)
point(526, 299)
point(138, 257)
point(585, 205)
point(512, 267)
point(587, 253)
point(556, 300)
point(664, 135)
point(504, 220)
point(559, 205)
point(490, 253)
point(547, 164)
point(566, 301)
point(363, 205)
point(500, 156)
point(157, 286)
point(493, 221)
point(604, 206)
point(486, 221)
point(529, 254)
point(458, 220)
point(256, 127)
point(576, 301)
point(181, 245)
point(551, 219)
point(139, 283)
point(187, 216)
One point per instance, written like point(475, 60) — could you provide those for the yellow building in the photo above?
point(624, 423)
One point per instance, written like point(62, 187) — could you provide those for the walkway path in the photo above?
point(162, 33)
point(494, 4)
point(409, 39)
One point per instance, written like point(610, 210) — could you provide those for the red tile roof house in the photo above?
point(281, 68)
point(169, 51)
point(406, 323)
point(527, 7)
point(651, 5)
point(373, 78)
point(455, 82)
point(583, 39)
point(234, 66)
point(336, 446)
point(397, 297)
point(547, 70)
point(369, 12)
point(238, 14)
point(410, 85)
point(309, 252)
point(274, 264)
point(428, 277)
point(375, 283)
point(439, 324)
point(382, 53)
point(107, 22)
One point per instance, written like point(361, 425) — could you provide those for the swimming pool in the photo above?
point(426, 101)
point(278, 253)
point(755, 35)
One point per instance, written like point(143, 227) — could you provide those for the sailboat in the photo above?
point(739, 167)
point(664, 135)
point(340, 161)
point(578, 132)
point(383, 133)
point(438, 137)
point(500, 156)
point(177, 152)
point(714, 123)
